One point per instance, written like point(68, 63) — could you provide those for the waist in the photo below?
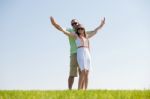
point(82, 47)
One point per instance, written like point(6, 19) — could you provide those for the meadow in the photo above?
point(74, 94)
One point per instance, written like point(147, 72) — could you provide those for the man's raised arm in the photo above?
point(55, 24)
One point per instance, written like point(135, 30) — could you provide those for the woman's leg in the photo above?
point(86, 79)
point(81, 79)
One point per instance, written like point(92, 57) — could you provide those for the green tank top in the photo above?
point(73, 47)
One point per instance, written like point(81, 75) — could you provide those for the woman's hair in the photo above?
point(79, 27)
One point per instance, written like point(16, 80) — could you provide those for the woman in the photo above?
point(83, 53)
point(83, 56)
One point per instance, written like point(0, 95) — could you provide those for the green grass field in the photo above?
point(75, 94)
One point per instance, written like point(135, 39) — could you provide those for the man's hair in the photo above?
point(74, 20)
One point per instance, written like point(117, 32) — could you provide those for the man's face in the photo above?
point(74, 23)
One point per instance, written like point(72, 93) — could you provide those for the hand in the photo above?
point(101, 25)
point(102, 22)
point(54, 23)
point(52, 20)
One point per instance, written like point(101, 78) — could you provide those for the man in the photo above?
point(73, 48)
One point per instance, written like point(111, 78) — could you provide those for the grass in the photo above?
point(75, 94)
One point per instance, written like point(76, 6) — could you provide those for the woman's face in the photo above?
point(81, 31)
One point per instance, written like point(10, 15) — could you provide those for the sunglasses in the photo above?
point(75, 23)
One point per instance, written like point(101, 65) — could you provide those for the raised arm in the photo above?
point(57, 26)
point(92, 33)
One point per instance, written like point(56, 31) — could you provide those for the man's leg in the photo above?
point(70, 82)
point(73, 70)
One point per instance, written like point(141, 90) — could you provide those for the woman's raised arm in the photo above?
point(92, 33)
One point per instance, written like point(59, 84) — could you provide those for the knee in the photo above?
point(83, 71)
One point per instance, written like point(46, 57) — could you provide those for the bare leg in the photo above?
point(83, 84)
point(86, 79)
point(81, 79)
point(70, 82)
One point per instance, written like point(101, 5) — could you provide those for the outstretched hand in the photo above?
point(54, 23)
point(52, 20)
point(102, 22)
point(101, 25)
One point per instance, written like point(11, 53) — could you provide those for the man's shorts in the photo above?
point(73, 65)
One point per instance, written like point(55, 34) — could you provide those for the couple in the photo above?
point(80, 51)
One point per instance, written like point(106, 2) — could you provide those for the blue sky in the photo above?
point(34, 55)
